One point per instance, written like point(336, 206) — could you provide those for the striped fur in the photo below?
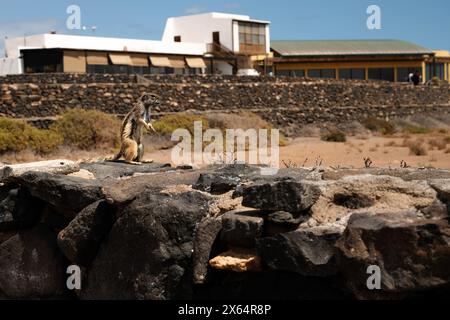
point(132, 129)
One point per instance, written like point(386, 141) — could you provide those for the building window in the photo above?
point(252, 33)
point(43, 60)
point(177, 38)
point(404, 73)
point(359, 74)
point(291, 73)
point(322, 73)
point(435, 70)
point(386, 74)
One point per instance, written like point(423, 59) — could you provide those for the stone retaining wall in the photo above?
point(285, 102)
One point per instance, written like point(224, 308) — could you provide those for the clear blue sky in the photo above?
point(424, 22)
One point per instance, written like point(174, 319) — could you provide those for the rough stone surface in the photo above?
point(407, 174)
point(237, 260)
point(105, 170)
point(217, 183)
point(241, 228)
point(288, 103)
point(18, 209)
point(152, 236)
point(148, 252)
point(80, 240)
point(66, 193)
point(353, 194)
point(53, 166)
point(309, 252)
point(286, 219)
point(206, 235)
point(442, 187)
point(31, 266)
point(289, 195)
point(125, 190)
point(412, 253)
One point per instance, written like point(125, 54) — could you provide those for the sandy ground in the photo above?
point(383, 152)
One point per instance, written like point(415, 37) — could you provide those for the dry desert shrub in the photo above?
point(88, 129)
point(334, 136)
point(379, 125)
point(438, 143)
point(416, 148)
point(17, 136)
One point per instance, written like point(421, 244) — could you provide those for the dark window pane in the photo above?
point(374, 74)
point(314, 73)
point(298, 73)
point(328, 73)
point(429, 72)
point(388, 74)
point(283, 73)
point(439, 71)
point(345, 73)
point(359, 74)
point(404, 73)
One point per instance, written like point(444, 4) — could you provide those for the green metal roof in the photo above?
point(345, 47)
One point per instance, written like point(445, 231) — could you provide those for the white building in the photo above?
point(223, 33)
point(211, 42)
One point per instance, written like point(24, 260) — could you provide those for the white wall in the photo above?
point(10, 66)
point(14, 45)
point(223, 68)
point(267, 39)
point(199, 29)
point(236, 36)
point(48, 41)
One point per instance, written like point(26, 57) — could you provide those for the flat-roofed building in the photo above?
point(439, 66)
point(233, 41)
point(390, 60)
point(211, 42)
point(81, 54)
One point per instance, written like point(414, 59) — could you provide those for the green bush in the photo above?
point(44, 141)
point(88, 129)
point(334, 136)
point(416, 130)
point(168, 124)
point(17, 135)
point(379, 125)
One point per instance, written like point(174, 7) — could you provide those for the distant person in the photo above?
point(410, 76)
point(416, 78)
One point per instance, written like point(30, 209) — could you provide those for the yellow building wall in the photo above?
point(351, 65)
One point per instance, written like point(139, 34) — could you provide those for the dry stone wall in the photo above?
point(285, 102)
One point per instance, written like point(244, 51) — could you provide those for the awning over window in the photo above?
point(139, 60)
point(74, 61)
point(177, 62)
point(196, 63)
point(99, 58)
point(158, 61)
point(121, 59)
